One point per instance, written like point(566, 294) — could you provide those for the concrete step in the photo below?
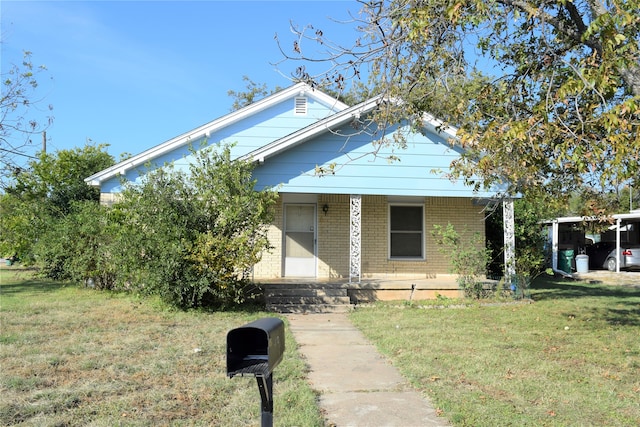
point(307, 298)
point(290, 291)
point(309, 308)
point(303, 299)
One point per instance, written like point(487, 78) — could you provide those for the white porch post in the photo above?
point(509, 240)
point(554, 245)
point(355, 238)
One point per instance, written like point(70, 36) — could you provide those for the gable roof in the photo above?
point(300, 89)
point(296, 148)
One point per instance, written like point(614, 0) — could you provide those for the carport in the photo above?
point(567, 234)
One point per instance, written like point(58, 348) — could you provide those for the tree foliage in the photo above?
point(44, 193)
point(17, 124)
point(255, 91)
point(79, 246)
point(545, 94)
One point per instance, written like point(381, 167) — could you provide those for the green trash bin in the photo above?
point(565, 260)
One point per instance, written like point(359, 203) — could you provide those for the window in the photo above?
point(406, 231)
point(300, 106)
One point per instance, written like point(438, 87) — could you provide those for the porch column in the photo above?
point(355, 237)
point(509, 239)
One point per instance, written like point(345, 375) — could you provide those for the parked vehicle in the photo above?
point(603, 255)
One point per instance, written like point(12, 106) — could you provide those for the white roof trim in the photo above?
point(300, 89)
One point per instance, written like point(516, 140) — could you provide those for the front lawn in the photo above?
point(73, 356)
point(571, 358)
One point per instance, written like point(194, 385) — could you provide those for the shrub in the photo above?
point(78, 247)
point(468, 256)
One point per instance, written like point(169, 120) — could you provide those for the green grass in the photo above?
point(571, 358)
point(73, 356)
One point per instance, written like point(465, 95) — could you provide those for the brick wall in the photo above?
point(438, 210)
point(270, 264)
point(333, 238)
point(108, 199)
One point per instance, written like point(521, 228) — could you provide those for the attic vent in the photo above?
point(300, 107)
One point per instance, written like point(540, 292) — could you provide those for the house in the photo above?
point(366, 224)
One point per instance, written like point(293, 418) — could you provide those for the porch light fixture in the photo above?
point(325, 209)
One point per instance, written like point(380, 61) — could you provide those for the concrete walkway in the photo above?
point(357, 386)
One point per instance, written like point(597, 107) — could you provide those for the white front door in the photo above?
point(300, 240)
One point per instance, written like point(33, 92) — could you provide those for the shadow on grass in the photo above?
point(623, 316)
point(31, 286)
point(546, 288)
point(622, 306)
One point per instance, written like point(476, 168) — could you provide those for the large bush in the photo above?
point(79, 247)
point(190, 237)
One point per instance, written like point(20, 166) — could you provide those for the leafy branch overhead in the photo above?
point(545, 94)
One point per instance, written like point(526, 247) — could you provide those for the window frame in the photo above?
point(423, 251)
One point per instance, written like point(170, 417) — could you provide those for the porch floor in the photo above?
point(378, 283)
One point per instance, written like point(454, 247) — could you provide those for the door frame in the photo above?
point(313, 273)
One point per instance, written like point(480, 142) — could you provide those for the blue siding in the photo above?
point(420, 170)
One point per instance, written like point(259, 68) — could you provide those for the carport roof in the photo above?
point(631, 215)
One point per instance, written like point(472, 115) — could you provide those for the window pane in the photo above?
point(406, 245)
point(406, 218)
point(406, 231)
point(299, 245)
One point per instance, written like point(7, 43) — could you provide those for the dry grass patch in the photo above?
point(73, 356)
point(570, 358)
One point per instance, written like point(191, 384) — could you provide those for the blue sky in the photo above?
point(135, 74)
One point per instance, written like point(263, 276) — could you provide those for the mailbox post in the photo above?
point(255, 349)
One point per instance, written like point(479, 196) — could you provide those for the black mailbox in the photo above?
point(256, 349)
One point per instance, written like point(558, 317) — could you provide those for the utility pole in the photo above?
point(44, 141)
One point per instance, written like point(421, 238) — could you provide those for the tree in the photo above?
point(254, 92)
point(545, 94)
point(45, 192)
point(18, 99)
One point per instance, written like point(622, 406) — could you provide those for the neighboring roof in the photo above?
point(568, 219)
point(209, 128)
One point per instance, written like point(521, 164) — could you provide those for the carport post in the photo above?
point(618, 224)
point(265, 385)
